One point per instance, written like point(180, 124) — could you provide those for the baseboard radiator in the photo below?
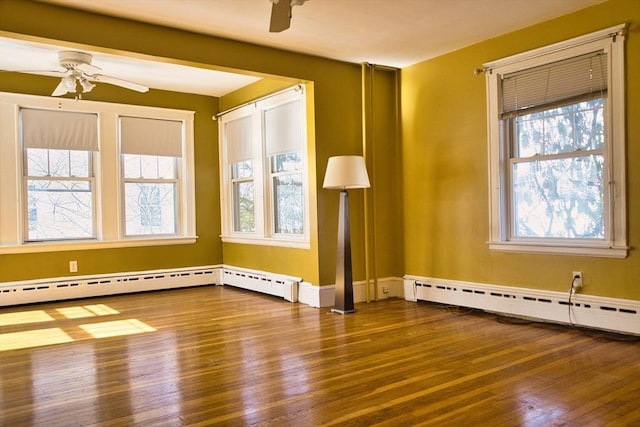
point(34, 291)
point(267, 283)
point(611, 314)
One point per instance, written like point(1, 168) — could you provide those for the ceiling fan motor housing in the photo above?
point(70, 59)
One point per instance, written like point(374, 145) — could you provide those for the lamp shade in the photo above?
point(344, 172)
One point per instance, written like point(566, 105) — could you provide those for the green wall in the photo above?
point(337, 108)
point(445, 197)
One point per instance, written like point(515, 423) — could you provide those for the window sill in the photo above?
point(297, 244)
point(92, 244)
point(561, 249)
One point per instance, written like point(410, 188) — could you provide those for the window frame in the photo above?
point(264, 206)
point(109, 219)
point(614, 245)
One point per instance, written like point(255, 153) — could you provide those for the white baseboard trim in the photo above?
point(316, 296)
point(286, 287)
point(611, 314)
point(65, 288)
point(324, 296)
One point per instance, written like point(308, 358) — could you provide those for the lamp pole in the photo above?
point(344, 274)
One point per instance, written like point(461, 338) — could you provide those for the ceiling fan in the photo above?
point(80, 72)
point(281, 14)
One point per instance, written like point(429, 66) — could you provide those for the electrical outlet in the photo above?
point(576, 279)
point(73, 266)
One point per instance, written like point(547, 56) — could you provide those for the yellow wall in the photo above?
point(337, 131)
point(429, 210)
point(445, 198)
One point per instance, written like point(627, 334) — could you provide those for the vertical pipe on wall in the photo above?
point(365, 125)
point(375, 97)
point(372, 147)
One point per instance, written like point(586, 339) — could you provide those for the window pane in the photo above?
point(561, 198)
point(37, 162)
point(578, 126)
point(242, 169)
point(59, 163)
point(131, 165)
point(59, 210)
point(79, 163)
point(243, 206)
point(288, 162)
point(166, 167)
point(149, 167)
point(288, 204)
point(150, 208)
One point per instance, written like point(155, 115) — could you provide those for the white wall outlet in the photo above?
point(576, 279)
point(73, 266)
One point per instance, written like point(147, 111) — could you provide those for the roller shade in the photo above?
point(60, 130)
point(570, 78)
point(238, 133)
point(154, 137)
point(283, 128)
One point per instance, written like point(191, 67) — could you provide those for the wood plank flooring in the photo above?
point(222, 356)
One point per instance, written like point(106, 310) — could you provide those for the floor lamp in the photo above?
point(344, 173)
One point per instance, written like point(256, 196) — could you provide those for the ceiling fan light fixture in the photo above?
point(87, 86)
point(69, 83)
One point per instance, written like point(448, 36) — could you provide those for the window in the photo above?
point(263, 168)
point(58, 151)
point(150, 151)
point(556, 138)
point(93, 175)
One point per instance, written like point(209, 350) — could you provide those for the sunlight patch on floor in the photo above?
point(24, 317)
point(86, 311)
point(36, 338)
point(42, 337)
point(116, 328)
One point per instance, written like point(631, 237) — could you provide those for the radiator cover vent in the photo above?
point(612, 314)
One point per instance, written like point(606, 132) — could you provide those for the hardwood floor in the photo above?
point(223, 356)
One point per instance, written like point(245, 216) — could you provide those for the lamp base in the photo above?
point(335, 310)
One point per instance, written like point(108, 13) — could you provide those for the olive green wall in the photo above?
point(206, 251)
point(445, 197)
point(337, 124)
point(272, 258)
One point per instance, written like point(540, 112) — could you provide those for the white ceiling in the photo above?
point(395, 33)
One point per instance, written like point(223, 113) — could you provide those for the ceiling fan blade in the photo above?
point(61, 89)
point(118, 82)
point(50, 73)
point(88, 68)
point(280, 16)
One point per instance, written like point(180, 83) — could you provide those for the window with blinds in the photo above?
point(150, 149)
point(239, 142)
point(555, 131)
point(263, 164)
point(94, 175)
point(59, 184)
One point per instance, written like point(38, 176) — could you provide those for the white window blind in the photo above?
point(60, 130)
point(150, 136)
point(283, 128)
point(570, 78)
point(238, 134)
